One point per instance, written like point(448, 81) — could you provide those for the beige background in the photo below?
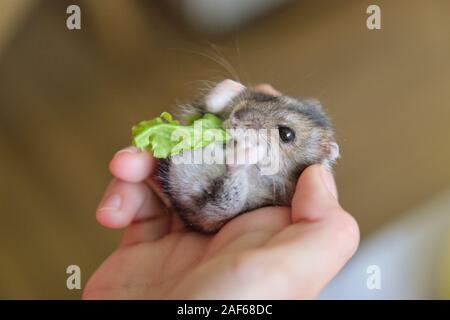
point(69, 98)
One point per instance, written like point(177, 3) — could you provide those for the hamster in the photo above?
point(207, 195)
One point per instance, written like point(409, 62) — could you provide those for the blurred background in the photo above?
point(68, 99)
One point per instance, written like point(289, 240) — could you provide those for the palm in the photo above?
point(186, 264)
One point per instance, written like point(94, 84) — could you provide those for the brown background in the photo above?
point(69, 98)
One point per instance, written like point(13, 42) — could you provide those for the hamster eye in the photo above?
point(286, 134)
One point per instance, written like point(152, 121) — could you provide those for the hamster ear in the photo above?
point(218, 98)
point(334, 152)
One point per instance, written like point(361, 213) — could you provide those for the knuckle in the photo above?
point(347, 233)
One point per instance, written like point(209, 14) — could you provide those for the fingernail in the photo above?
point(131, 149)
point(111, 203)
point(328, 180)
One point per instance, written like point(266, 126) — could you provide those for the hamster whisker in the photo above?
point(216, 55)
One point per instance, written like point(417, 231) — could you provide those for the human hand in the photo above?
point(269, 253)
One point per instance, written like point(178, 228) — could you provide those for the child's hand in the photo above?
point(269, 253)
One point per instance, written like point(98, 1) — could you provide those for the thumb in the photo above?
point(321, 239)
point(315, 195)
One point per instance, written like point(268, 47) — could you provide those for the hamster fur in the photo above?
point(206, 196)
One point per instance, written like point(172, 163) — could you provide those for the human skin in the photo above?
point(269, 253)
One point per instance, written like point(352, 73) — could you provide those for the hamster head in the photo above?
point(302, 130)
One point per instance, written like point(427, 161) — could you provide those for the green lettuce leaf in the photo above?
point(163, 136)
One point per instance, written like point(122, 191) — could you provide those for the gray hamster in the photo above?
point(207, 195)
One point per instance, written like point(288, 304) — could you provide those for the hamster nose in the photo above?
point(246, 118)
point(246, 124)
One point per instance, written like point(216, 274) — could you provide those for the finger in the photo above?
point(145, 231)
point(249, 230)
point(151, 230)
point(132, 165)
point(267, 88)
point(310, 254)
point(315, 185)
point(311, 251)
point(125, 202)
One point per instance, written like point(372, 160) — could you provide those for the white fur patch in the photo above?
point(222, 94)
